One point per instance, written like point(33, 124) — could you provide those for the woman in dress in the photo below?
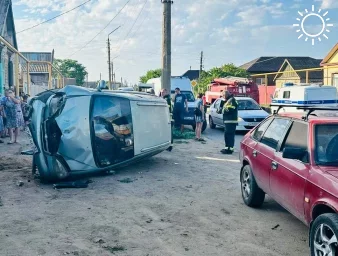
point(199, 117)
point(14, 115)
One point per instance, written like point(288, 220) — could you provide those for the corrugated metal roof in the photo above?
point(192, 74)
point(35, 68)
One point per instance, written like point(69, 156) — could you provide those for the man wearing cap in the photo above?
point(229, 109)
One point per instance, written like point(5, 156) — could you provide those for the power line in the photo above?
point(61, 14)
point(101, 30)
point(145, 2)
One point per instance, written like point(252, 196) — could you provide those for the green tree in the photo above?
point(72, 69)
point(151, 74)
point(218, 72)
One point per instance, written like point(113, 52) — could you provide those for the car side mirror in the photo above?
point(294, 153)
point(101, 85)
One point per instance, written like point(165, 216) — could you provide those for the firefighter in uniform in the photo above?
point(229, 109)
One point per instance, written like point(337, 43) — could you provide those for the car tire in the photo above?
point(252, 195)
point(211, 123)
point(324, 235)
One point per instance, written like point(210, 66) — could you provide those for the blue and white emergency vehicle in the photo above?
point(304, 95)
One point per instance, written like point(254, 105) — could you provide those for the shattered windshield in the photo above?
point(326, 144)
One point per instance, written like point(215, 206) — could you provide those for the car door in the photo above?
point(288, 176)
point(264, 151)
point(217, 118)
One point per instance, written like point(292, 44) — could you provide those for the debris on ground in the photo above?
point(20, 183)
point(72, 184)
point(99, 241)
point(113, 249)
point(275, 227)
point(126, 180)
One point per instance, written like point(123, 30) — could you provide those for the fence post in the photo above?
point(28, 80)
point(50, 76)
point(307, 77)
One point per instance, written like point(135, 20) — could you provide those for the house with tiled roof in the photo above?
point(295, 63)
point(39, 70)
point(192, 74)
point(7, 32)
point(272, 64)
point(330, 64)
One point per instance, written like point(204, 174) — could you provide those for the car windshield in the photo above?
point(326, 144)
point(190, 96)
point(248, 105)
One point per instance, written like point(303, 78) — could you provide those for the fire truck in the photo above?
point(238, 86)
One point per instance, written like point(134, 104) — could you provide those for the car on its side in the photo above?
point(293, 157)
point(250, 114)
point(78, 130)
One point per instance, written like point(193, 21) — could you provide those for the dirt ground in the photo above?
point(186, 202)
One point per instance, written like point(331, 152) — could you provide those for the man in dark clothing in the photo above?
point(180, 105)
point(229, 109)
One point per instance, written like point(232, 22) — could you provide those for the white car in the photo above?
point(250, 114)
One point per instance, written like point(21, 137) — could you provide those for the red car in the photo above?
point(294, 159)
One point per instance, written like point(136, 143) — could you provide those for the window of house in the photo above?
point(260, 81)
point(258, 133)
point(286, 95)
point(297, 137)
point(335, 80)
point(275, 133)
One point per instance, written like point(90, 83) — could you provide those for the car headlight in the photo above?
point(60, 169)
point(240, 119)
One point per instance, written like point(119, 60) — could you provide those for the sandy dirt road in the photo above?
point(186, 202)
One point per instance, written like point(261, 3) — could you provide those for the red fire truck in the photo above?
point(238, 86)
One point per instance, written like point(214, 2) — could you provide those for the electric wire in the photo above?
point(100, 30)
point(55, 17)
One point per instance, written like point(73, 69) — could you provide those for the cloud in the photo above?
point(328, 4)
point(222, 29)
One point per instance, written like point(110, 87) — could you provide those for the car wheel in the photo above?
point(324, 234)
point(252, 195)
point(211, 123)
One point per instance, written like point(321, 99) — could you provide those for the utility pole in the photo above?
point(109, 65)
point(201, 69)
point(112, 75)
point(166, 45)
point(121, 82)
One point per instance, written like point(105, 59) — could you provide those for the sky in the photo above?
point(227, 31)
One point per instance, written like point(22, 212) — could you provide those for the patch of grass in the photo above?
point(186, 135)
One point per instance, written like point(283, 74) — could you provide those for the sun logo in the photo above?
point(323, 22)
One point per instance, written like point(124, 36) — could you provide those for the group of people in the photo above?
point(228, 108)
point(12, 115)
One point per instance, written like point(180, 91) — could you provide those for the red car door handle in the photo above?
point(274, 165)
point(254, 153)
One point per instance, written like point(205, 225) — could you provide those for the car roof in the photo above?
point(73, 90)
point(319, 116)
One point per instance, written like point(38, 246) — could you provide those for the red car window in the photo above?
point(275, 133)
point(258, 133)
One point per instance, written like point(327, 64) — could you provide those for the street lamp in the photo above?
point(109, 65)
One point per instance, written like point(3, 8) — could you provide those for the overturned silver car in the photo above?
point(78, 130)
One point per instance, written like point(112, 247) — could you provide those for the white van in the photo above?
point(304, 95)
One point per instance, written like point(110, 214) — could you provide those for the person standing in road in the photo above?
point(199, 117)
point(230, 118)
point(180, 105)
